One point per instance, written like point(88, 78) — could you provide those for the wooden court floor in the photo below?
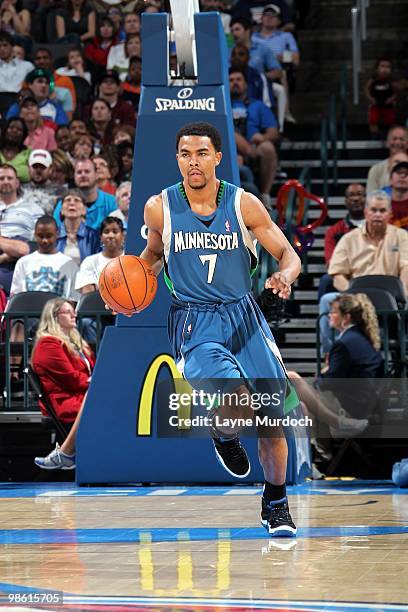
point(200, 548)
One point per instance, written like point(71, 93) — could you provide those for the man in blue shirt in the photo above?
point(255, 133)
point(51, 112)
point(99, 204)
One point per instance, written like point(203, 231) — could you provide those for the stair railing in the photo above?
point(358, 34)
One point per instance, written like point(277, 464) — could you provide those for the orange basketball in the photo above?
point(127, 284)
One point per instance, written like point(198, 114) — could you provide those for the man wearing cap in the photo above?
point(122, 111)
point(17, 221)
point(40, 190)
point(399, 195)
point(12, 70)
point(379, 173)
point(271, 34)
point(252, 10)
point(52, 113)
point(64, 87)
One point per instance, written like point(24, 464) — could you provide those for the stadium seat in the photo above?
point(92, 306)
point(57, 50)
point(392, 284)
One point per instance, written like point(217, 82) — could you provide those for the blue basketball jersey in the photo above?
point(207, 259)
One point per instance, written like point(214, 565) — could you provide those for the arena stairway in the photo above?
point(297, 337)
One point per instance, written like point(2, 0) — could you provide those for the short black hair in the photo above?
point(6, 37)
point(246, 24)
point(109, 220)
point(46, 220)
point(238, 68)
point(200, 129)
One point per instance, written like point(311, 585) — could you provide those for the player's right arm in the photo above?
point(153, 217)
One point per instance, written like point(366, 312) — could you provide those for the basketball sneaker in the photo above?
point(232, 456)
point(56, 460)
point(277, 520)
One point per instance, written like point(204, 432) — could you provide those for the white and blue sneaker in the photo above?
point(56, 460)
point(277, 520)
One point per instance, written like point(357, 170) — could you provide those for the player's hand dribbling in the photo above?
point(114, 311)
point(279, 285)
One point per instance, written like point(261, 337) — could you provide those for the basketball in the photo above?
point(127, 284)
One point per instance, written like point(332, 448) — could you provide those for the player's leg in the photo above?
point(275, 515)
point(211, 367)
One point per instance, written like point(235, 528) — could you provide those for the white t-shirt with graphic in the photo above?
point(46, 272)
point(90, 270)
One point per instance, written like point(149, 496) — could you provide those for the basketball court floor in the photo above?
point(194, 548)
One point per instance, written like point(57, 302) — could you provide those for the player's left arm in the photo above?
point(273, 240)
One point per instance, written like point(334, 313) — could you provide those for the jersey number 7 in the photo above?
point(212, 260)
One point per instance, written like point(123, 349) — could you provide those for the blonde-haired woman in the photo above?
point(354, 355)
point(64, 362)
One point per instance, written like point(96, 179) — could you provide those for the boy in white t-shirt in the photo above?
point(46, 269)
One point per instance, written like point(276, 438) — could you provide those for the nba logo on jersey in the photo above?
point(227, 226)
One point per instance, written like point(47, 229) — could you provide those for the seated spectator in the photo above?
point(381, 94)
point(392, 162)
point(116, 16)
point(62, 170)
point(98, 203)
point(15, 20)
point(46, 269)
point(17, 220)
point(75, 239)
point(97, 50)
point(103, 175)
point(122, 111)
point(264, 60)
point(110, 153)
point(82, 147)
point(130, 88)
point(75, 66)
point(379, 174)
point(13, 151)
point(62, 83)
point(117, 57)
point(123, 133)
point(52, 112)
point(131, 48)
point(40, 190)
point(63, 362)
point(375, 248)
point(283, 44)
point(125, 156)
point(112, 237)
point(255, 133)
point(77, 127)
point(218, 6)
point(13, 71)
point(40, 136)
point(253, 11)
point(100, 123)
point(355, 203)
point(399, 195)
point(354, 355)
point(63, 139)
point(76, 22)
point(19, 52)
point(123, 193)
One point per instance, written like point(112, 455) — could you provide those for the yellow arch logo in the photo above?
point(144, 419)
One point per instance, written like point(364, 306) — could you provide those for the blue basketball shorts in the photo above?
point(225, 341)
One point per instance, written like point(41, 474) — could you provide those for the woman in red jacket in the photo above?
point(64, 363)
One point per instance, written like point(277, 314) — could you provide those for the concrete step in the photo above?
point(299, 324)
point(296, 338)
point(302, 294)
point(310, 308)
point(301, 367)
point(307, 353)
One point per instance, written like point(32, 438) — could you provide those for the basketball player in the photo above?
point(203, 230)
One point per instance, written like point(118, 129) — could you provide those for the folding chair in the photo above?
point(40, 395)
point(392, 284)
point(92, 306)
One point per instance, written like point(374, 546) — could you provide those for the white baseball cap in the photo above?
point(40, 156)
